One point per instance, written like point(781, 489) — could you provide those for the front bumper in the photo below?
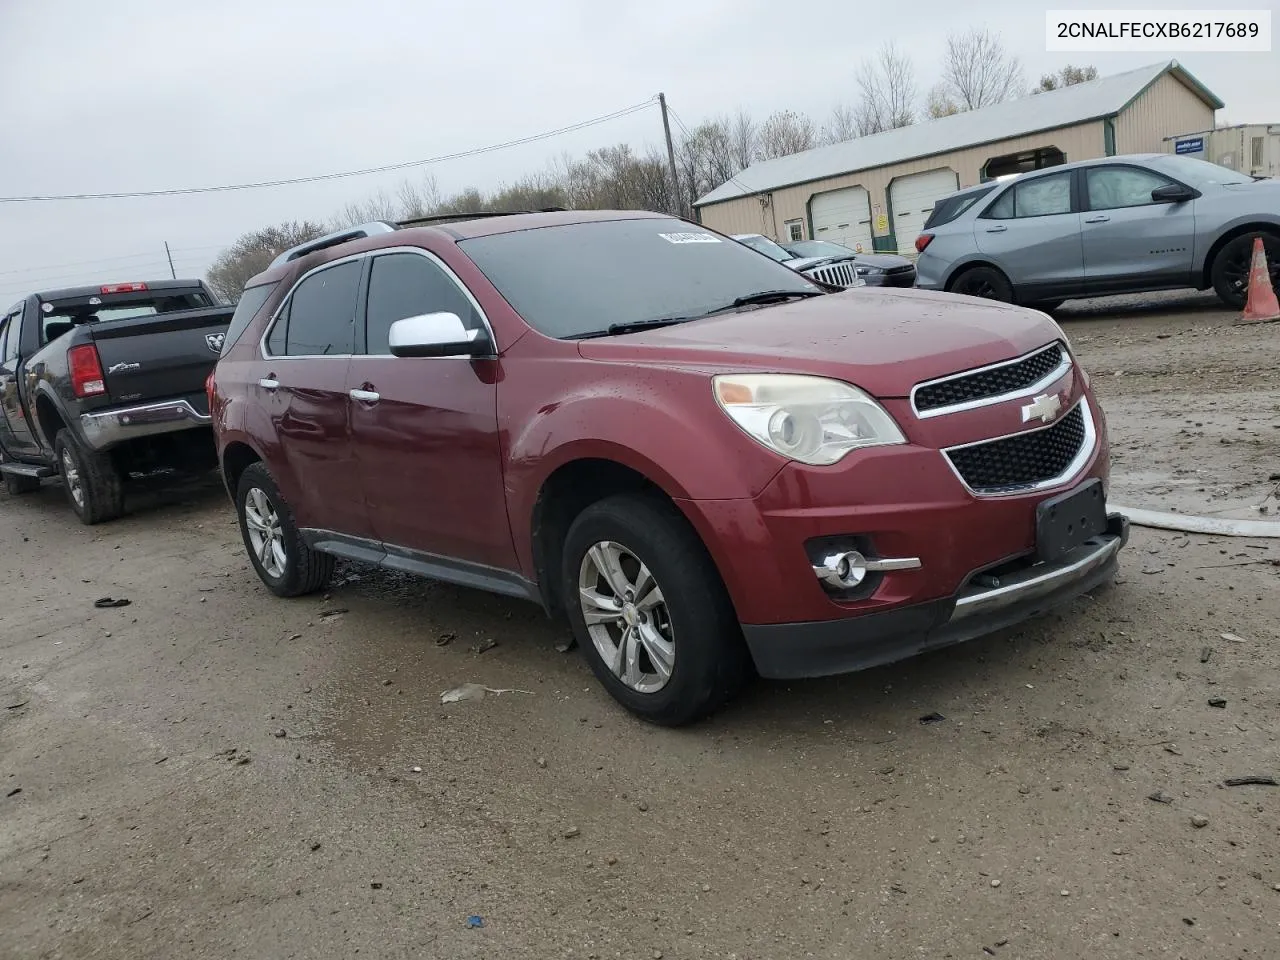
point(826, 647)
point(110, 428)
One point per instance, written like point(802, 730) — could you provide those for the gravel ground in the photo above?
point(210, 772)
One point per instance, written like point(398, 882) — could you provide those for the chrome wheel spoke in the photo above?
point(607, 558)
point(661, 651)
point(631, 661)
point(597, 608)
point(619, 660)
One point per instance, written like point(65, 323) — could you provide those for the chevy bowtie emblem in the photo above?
point(1044, 408)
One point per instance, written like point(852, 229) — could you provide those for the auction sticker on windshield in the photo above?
point(689, 237)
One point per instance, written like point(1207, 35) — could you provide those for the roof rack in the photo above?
point(371, 229)
point(472, 215)
point(378, 227)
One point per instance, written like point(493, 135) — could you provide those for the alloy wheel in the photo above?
point(627, 617)
point(71, 477)
point(266, 535)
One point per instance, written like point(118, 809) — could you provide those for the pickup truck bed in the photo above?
point(103, 383)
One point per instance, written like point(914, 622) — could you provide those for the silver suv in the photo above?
point(1128, 224)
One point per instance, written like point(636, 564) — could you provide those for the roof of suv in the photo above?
point(372, 236)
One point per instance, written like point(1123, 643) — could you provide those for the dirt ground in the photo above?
point(210, 772)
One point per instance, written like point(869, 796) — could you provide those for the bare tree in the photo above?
point(252, 253)
point(744, 140)
point(380, 206)
point(887, 92)
point(1065, 77)
point(978, 71)
point(784, 133)
point(842, 124)
point(938, 102)
point(418, 199)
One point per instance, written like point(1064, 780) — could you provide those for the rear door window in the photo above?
point(321, 314)
point(408, 285)
point(1041, 197)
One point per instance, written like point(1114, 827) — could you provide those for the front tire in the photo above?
point(650, 612)
point(1230, 270)
point(282, 559)
point(94, 486)
point(986, 282)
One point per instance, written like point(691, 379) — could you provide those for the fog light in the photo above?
point(842, 570)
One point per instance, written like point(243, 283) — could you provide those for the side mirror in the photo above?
point(1173, 193)
point(437, 335)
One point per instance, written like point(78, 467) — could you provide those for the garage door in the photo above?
point(912, 199)
point(843, 216)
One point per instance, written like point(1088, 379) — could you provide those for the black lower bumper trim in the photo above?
point(820, 648)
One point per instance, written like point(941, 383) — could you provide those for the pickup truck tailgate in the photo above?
point(159, 356)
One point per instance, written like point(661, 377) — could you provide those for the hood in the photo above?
point(885, 261)
point(801, 263)
point(884, 341)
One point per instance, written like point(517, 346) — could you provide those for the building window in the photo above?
point(1257, 152)
point(795, 230)
point(1027, 160)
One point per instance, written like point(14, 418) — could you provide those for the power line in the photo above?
point(386, 168)
point(733, 178)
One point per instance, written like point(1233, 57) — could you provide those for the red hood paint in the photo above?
point(883, 341)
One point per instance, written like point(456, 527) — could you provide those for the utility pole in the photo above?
point(676, 201)
point(172, 272)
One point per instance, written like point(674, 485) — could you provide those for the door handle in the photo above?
point(1103, 218)
point(1000, 229)
point(365, 396)
point(268, 383)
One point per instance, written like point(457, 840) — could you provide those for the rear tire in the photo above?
point(680, 613)
point(1230, 270)
point(986, 282)
point(94, 486)
point(282, 559)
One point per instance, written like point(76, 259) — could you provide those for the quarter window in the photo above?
point(320, 318)
point(409, 285)
point(1114, 187)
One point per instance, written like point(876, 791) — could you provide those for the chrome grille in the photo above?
point(994, 381)
point(1023, 460)
point(836, 274)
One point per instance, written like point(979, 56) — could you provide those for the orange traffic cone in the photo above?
point(1261, 305)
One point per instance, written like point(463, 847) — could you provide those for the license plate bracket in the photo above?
point(1070, 519)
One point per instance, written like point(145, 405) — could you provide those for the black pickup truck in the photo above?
point(101, 384)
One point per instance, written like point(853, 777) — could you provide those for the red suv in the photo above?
point(703, 459)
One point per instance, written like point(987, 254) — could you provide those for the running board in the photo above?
point(27, 470)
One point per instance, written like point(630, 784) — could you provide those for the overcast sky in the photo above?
point(118, 95)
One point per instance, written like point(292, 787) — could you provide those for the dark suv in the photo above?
point(705, 460)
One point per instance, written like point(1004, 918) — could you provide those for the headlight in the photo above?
point(869, 271)
point(809, 419)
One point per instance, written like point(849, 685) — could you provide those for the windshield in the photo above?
point(580, 279)
point(1194, 171)
point(766, 246)
point(819, 248)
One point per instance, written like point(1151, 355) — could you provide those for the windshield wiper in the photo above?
point(633, 326)
point(765, 296)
